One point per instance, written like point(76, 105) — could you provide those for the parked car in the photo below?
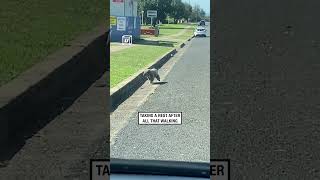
point(200, 31)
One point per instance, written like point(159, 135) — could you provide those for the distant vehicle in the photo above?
point(200, 31)
point(202, 23)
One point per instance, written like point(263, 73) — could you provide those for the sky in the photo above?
point(204, 4)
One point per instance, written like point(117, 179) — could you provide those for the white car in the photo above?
point(200, 31)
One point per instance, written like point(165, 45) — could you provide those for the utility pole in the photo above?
point(157, 10)
point(142, 17)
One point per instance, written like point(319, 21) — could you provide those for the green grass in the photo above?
point(187, 34)
point(174, 26)
point(125, 63)
point(31, 30)
point(171, 29)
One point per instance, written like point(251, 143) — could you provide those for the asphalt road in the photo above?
point(266, 89)
point(62, 149)
point(188, 91)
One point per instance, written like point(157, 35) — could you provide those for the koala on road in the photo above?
point(150, 74)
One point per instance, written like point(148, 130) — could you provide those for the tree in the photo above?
point(163, 8)
point(202, 14)
point(187, 11)
point(195, 13)
point(173, 8)
point(178, 10)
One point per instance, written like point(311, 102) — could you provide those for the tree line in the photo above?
point(175, 9)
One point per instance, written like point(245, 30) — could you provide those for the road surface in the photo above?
point(266, 92)
point(62, 149)
point(188, 91)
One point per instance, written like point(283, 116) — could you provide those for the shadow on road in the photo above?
point(160, 83)
point(171, 28)
point(156, 43)
point(53, 102)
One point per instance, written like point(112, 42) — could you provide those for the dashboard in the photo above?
point(122, 169)
point(149, 177)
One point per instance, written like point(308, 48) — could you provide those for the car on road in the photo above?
point(202, 23)
point(200, 31)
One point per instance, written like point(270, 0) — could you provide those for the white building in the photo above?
point(127, 19)
point(123, 8)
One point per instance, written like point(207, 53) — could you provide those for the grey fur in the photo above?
point(150, 74)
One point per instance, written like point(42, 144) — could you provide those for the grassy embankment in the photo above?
point(31, 30)
point(128, 61)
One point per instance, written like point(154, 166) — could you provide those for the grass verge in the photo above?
point(171, 29)
point(187, 33)
point(31, 30)
point(125, 63)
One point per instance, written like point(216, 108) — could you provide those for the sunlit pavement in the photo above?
point(186, 91)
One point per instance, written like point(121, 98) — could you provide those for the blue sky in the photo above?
point(204, 4)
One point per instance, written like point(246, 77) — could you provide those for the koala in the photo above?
point(150, 74)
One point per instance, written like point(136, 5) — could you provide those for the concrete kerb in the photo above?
point(39, 94)
point(126, 88)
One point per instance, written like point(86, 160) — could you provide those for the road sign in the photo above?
point(127, 39)
point(113, 20)
point(152, 13)
point(121, 23)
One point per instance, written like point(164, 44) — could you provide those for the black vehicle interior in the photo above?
point(153, 169)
